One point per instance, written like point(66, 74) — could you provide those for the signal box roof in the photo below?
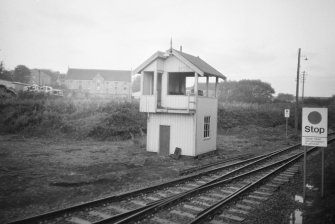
point(194, 62)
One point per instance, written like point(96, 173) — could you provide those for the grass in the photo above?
point(232, 115)
point(73, 118)
point(38, 174)
point(103, 119)
point(43, 174)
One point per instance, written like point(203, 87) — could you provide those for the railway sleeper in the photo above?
point(240, 211)
point(183, 214)
point(201, 203)
point(229, 217)
point(162, 220)
point(194, 208)
point(237, 213)
point(78, 220)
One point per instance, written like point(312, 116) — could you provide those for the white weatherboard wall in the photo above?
point(181, 132)
point(206, 107)
point(173, 64)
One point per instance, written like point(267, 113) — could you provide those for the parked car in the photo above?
point(46, 89)
point(57, 92)
point(33, 88)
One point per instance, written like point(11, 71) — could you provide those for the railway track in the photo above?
point(189, 199)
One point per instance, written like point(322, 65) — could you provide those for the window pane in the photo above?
point(206, 126)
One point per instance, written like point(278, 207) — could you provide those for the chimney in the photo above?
point(181, 48)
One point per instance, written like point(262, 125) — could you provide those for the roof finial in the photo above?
point(171, 45)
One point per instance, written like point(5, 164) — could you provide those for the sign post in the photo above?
point(314, 133)
point(322, 172)
point(287, 115)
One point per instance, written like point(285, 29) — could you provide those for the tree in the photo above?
point(2, 68)
point(227, 90)
point(136, 85)
point(284, 97)
point(21, 74)
point(4, 74)
point(248, 91)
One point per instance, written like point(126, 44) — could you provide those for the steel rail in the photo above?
point(158, 206)
point(212, 209)
point(72, 209)
point(163, 203)
point(130, 213)
point(194, 169)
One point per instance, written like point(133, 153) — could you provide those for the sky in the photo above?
point(243, 39)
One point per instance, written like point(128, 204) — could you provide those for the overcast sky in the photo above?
point(243, 39)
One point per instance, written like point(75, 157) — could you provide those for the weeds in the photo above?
point(76, 118)
point(240, 114)
point(103, 119)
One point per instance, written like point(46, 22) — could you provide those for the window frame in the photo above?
point(207, 127)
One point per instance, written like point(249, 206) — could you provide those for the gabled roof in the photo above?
point(108, 75)
point(156, 55)
point(201, 65)
point(196, 63)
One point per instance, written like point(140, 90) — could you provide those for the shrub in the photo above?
point(240, 114)
point(81, 118)
point(124, 120)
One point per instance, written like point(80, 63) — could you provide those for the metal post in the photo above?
point(286, 127)
point(297, 95)
point(305, 168)
point(207, 81)
point(322, 172)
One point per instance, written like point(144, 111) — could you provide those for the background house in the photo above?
point(102, 83)
point(61, 79)
point(44, 77)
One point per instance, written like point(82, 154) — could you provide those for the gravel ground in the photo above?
point(285, 206)
point(38, 175)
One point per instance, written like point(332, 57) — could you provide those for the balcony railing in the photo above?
point(173, 104)
point(179, 102)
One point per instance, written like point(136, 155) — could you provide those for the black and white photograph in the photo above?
point(167, 112)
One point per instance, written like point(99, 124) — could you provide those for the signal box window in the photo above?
point(207, 122)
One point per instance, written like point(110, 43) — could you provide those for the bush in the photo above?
point(80, 118)
point(240, 114)
point(124, 121)
point(103, 119)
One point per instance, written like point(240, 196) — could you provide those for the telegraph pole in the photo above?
point(303, 87)
point(296, 115)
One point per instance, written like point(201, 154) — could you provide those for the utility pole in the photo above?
point(296, 115)
point(303, 87)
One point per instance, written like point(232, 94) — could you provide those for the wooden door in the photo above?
point(164, 140)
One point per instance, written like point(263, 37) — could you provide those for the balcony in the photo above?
point(169, 104)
